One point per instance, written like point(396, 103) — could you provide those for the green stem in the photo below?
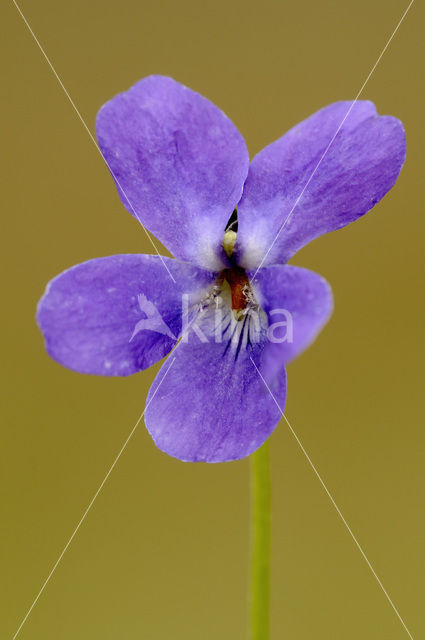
point(260, 544)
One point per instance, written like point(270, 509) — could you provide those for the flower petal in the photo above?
point(298, 303)
point(277, 216)
point(209, 403)
point(179, 164)
point(117, 315)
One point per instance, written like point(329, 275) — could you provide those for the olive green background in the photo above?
point(163, 552)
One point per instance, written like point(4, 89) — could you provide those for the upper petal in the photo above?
point(299, 187)
point(298, 303)
point(117, 315)
point(179, 164)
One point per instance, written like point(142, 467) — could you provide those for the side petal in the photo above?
point(209, 402)
point(179, 164)
point(298, 303)
point(117, 315)
point(299, 187)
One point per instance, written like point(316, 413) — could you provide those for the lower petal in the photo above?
point(213, 402)
point(117, 315)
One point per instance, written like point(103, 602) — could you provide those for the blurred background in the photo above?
point(163, 552)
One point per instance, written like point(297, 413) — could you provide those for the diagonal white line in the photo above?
point(90, 134)
point(332, 139)
point(91, 504)
point(347, 526)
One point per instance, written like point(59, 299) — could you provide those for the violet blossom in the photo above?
point(181, 168)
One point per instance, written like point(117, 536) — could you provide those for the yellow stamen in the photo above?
point(229, 241)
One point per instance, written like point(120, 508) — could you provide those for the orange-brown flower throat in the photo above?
point(239, 287)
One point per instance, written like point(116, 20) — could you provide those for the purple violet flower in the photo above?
point(182, 168)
